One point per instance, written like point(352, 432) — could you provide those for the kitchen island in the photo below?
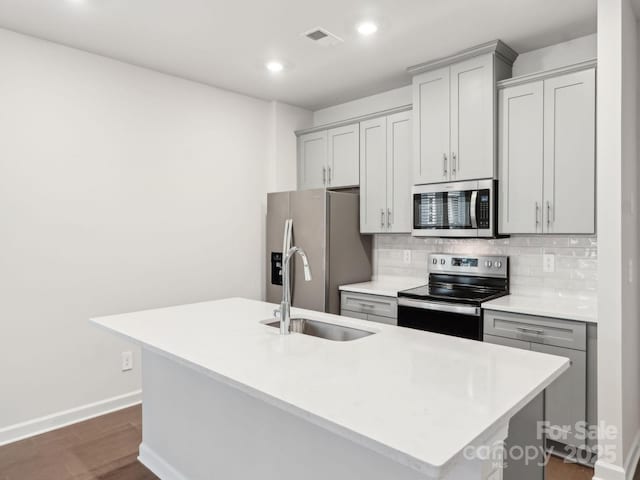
point(226, 396)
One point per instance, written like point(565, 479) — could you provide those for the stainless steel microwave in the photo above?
point(457, 209)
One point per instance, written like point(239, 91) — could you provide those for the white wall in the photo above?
point(363, 106)
point(120, 189)
point(574, 51)
point(282, 169)
point(617, 181)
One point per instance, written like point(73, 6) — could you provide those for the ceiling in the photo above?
point(226, 43)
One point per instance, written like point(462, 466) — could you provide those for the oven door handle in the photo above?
point(439, 307)
point(473, 208)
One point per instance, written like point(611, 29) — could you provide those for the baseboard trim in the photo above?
point(633, 458)
point(607, 471)
point(27, 429)
point(158, 465)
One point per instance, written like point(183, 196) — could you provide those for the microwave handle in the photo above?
point(473, 209)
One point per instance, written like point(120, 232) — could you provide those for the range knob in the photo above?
point(435, 261)
point(498, 264)
point(442, 261)
point(488, 264)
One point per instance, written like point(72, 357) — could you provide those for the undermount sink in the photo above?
point(328, 331)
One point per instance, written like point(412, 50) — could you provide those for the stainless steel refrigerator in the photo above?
point(326, 225)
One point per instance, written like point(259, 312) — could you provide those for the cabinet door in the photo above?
point(565, 399)
point(473, 94)
point(399, 152)
point(373, 175)
point(312, 160)
point(520, 158)
point(523, 427)
point(431, 127)
point(569, 153)
point(343, 169)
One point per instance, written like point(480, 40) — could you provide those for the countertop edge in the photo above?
point(540, 313)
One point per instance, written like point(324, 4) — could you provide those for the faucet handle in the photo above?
point(276, 313)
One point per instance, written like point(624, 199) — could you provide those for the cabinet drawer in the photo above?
point(369, 304)
point(541, 330)
point(385, 320)
point(507, 342)
point(348, 313)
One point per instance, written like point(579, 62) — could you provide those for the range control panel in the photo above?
point(484, 266)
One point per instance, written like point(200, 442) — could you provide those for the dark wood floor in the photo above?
point(105, 448)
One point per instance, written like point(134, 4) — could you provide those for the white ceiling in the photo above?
point(225, 43)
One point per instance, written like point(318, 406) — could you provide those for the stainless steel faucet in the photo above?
point(285, 305)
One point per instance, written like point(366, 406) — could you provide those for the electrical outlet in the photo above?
point(127, 361)
point(407, 256)
point(549, 263)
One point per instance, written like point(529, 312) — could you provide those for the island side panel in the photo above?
point(195, 427)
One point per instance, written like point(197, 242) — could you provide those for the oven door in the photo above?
point(458, 320)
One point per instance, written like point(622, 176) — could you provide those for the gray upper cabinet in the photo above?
point(521, 153)
point(385, 174)
point(473, 126)
point(343, 164)
point(454, 102)
point(329, 158)
point(431, 126)
point(569, 153)
point(373, 175)
point(399, 177)
point(312, 160)
point(547, 153)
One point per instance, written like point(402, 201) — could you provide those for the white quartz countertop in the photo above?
point(387, 287)
point(568, 308)
point(419, 398)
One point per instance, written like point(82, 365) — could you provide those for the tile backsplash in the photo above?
point(575, 272)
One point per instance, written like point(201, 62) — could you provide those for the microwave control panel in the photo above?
point(484, 210)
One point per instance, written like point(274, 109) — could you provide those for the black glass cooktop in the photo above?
point(453, 293)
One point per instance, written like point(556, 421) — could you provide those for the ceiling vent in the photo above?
point(322, 37)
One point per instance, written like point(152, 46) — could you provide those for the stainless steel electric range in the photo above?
point(450, 303)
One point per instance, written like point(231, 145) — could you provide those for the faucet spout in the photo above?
point(285, 305)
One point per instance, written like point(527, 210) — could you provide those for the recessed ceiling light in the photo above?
point(367, 28)
point(274, 66)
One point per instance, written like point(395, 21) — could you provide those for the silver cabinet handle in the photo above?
point(548, 213)
point(382, 217)
point(537, 214)
point(444, 166)
point(324, 175)
point(329, 175)
point(530, 330)
point(454, 162)
point(388, 217)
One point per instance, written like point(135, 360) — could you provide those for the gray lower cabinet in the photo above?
point(568, 402)
point(375, 308)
